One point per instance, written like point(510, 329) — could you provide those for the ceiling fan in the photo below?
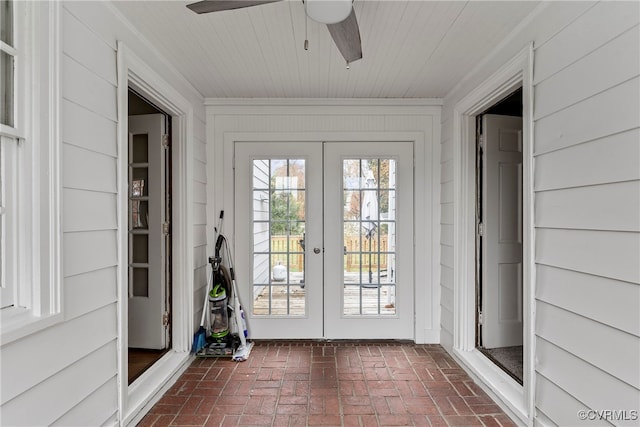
point(338, 15)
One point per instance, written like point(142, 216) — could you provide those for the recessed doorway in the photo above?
point(149, 234)
point(499, 234)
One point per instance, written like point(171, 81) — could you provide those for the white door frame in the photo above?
point(422, 189)
point(149, 387)
point(516, 399)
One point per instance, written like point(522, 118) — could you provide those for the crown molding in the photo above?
point(324, 102)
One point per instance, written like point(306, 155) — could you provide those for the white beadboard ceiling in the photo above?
point(411, 49)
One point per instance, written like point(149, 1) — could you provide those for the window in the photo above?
point(29, 172)
point(8, 154)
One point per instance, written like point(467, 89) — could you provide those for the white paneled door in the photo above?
point(324, 239)
point(502, 234)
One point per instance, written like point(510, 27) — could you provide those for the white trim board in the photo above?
point(324, 102)
point(517, 72)
point(134, 400)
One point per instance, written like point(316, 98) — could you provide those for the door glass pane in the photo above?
point(140, 282)
point(369, 197)
point(279, 212)
point(5, 299)
point(6, 89)
point(140, 248)
point(6, 22)
point(140, 148)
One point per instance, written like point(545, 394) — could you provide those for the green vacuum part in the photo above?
point(219, 314)
point(217, 293)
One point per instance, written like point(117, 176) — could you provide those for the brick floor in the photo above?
point(308, 383)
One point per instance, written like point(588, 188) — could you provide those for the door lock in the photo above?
point(316, 250)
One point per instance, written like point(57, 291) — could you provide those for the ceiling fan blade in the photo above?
point(207, 6)
point(346, 35)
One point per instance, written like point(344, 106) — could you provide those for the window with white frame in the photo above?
point(8, 152)
point(29, 173)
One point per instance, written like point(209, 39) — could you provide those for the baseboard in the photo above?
point(428, 336)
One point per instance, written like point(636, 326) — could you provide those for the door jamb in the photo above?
point(517, 400)
point(144, 392)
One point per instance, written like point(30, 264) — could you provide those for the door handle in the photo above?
point(316, 250)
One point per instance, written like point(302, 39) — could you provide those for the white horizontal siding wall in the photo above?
point(200, 238)
point(587, 205)
point(587, 214)
point(79, 355)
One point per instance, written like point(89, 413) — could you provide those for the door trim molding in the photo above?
point(426, 326)
point(134, 72)
point(517, 400)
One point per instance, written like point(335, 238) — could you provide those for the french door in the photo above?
point(324, 239)
point(149, 238)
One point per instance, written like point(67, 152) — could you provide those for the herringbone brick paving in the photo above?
point(309, 383)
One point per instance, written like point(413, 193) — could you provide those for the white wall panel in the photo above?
point(200, 170)
point(89, 210)
point(447, 298)
point(563, 328)
point(78, 356)
point(603, 253)
point(589, 31)
point(88, 251)
point(199, 256)
point(612, 207)
point(84, 293)
point(615, 110)
point(84, 46)
point(447, 255)
point(83, 87)
point(446, 171)
point(84, 128)
point(613, 63)
point(199, 151)
point(447, 153)
point(199, 214)
point(199, 235)
point(446, 213)
point(613, 158)
point(199, 192)
point(22, 364)
point(446, 277)
point(446, 237)
point(60, 391)
point(586, 178)
point(604, 300)
point(199, 133)
point(561, 406)
point(95, 410)
point(587, 203)
point(88, 170)
point(593, 387)
point(446, 195)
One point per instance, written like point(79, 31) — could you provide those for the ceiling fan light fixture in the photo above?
point(328, 11)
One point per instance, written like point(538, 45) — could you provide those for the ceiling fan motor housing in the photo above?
point(328, 11)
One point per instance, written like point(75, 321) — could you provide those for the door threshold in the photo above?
point(499, 364)
point(321, 341)
point(147, 390)
point(505, 391)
